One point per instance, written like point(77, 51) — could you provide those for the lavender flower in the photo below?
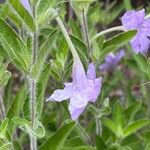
point(135, 20)
point(111, 60)
point(26, 4)
point(83, 89)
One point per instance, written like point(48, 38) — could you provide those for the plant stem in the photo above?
point(85, 31)
point(70, 44)
point(2, 107)
point(32, 84)
point(88, 140)
point(98, 126)
point(118, 28)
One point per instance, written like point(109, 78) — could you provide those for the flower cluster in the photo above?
point(136, 20)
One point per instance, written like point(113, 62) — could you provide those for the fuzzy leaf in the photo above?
point(109, 124)
point(23, 13)
point(13, 46)
point(133, 127)
point(117, 41)
point(59, 137)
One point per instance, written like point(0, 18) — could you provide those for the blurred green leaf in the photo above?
point(127, 4)
point(59, 137)
point(142, 63)
point(133, 127)
point(109, 124)
point(118, 116)
point(7, 146)
point(100, 144)
point(132, 110)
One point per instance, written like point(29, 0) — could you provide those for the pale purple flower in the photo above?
point(135, 20)
point(84, 88)
point(111, 60)
point(26, 5)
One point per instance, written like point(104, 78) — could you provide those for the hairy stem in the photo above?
point(118, 28)
point(2, 106)
point(85, 31)
point(70, 44)
point(32, 86)
point(98, 126)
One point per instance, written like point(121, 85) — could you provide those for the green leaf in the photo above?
point(147, 146)
point(13, 46)
point(41, 87)
point(117, 41)
point(59, 137)
point(132, 110)
point(74, 142)
point(109, 124)
point(20, 121)
point(120, 39)
point(133, 127)
point(45, 10)
point(4, 125)
point(39, 131)
point(23, 13)
point(142, 63)
point(127, 4)
point(100, 144)
point(81, 49)
point(118, 115)
point(7, 146)
point(7, 12)
point(16, 107)
point(18, 102)
point(43, 52)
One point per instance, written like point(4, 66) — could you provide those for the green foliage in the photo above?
point(23, 13)
point(117, 125)
point(116, 42)
point(108, 124)
point(134, 126)
point(59, 137)
point(13, 46)
point(100, 144)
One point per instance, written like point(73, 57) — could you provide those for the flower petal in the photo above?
point(140, 43)
point(119, 55)
point(133, 19)
point(60, 95)
point(77, 104)
point(79, 76)
point(94, 89)
point(91, 74)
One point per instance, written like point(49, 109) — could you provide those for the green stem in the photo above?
point(85, 31)
point(118, 28)
point(2, 106)
point(32, 86)
point(98, 126)
point(70, 44)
